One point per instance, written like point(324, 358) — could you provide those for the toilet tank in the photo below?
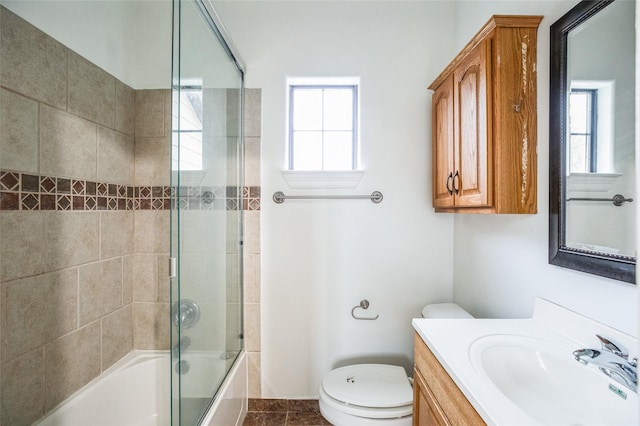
point(444, 310)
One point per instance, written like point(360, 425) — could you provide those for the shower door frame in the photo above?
point(209, 15)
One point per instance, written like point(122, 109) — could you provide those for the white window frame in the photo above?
point(604, 125)
point(349, 178)
point(196, 161)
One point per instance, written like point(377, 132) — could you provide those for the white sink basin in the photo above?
point(544, 380)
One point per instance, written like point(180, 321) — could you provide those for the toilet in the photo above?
point(375, 394)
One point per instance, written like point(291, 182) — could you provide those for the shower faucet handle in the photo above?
point(185, 313)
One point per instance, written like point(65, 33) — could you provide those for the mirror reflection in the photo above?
point(600, 132)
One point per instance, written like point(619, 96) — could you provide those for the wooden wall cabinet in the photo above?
point(484, 122)
point(436, 398)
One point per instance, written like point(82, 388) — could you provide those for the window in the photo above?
point(323, 126)
point(591, 132)
point(583, 131)
point(188, 155)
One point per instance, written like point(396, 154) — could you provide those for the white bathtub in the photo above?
point(136, 392)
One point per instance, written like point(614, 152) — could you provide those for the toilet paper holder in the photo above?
point(364, 304)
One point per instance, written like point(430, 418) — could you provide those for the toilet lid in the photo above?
point(369, 385)
point(444, 310)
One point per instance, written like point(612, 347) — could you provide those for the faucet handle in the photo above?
point(613, 347)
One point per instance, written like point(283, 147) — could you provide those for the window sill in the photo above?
point(322, 179)
point(591, 182)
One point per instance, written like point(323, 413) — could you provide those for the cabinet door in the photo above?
point(426, 410)
point(442, 144)
point(472, 130)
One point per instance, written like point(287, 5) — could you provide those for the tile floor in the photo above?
point(283, 412)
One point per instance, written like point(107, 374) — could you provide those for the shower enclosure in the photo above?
point(206, 211)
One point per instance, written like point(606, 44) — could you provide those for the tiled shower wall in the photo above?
point(84, 220)
point(251, 273)
point(82, 270)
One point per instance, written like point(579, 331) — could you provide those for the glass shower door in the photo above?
point(206, 213)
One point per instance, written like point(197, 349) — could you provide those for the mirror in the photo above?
point(592, 140)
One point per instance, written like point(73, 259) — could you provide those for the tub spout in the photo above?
point(183, 344)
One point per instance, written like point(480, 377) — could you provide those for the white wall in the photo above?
point(153, 44)
point(500, 264)
point(131, 40)
point(320, 258)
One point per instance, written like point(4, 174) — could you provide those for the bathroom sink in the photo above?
point(543, 379)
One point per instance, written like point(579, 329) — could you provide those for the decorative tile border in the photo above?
point(25, 191)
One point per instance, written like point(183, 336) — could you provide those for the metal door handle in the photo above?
point(449, 179)
point(456, 188)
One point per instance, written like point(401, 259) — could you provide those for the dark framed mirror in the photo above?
point(592, 140)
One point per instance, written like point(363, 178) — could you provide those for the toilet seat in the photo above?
point(377, 391)
point(331, 405)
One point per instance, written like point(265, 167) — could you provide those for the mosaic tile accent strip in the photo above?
point(25, 191)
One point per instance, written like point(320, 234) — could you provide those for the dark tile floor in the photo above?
point(284, 412)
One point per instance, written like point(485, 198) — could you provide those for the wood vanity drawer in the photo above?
point(449, 400)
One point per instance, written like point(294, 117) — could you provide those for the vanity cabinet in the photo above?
point(484, 122)
point(436, 398)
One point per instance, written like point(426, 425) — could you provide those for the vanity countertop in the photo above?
point(458, 345)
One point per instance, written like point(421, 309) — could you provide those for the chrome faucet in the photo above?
point(612, 361)
point(181, 346)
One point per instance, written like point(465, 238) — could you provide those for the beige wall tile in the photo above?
point(116, 233)
point(151, 326)
point(115, 157)
point(152, 161)
point(219, 112)
point(70, 238)
point(22, 394)
point(92, 91)
point(21, 246)
point(18, 133)
point(152, 231)
point(252, 327)
point(252, 112)
point(167, 112)
point(33, 63)
point(164, 282)
point(99, 289)
point(117, 336)
point(252, 232)
point(127, 279)
point(231, 159)
point(251, 278)
point(233, 290)
point(145, 278)
point(125, 108)
point(253, 364)
point(207, 231)
point(37, 310)
point(68, 145)
point(252, 161)
point(231, 220)
point(233, 326)
point(70, 363)
point(150, 113)
point(231, 110)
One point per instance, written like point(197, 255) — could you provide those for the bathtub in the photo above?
point(136, 392)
